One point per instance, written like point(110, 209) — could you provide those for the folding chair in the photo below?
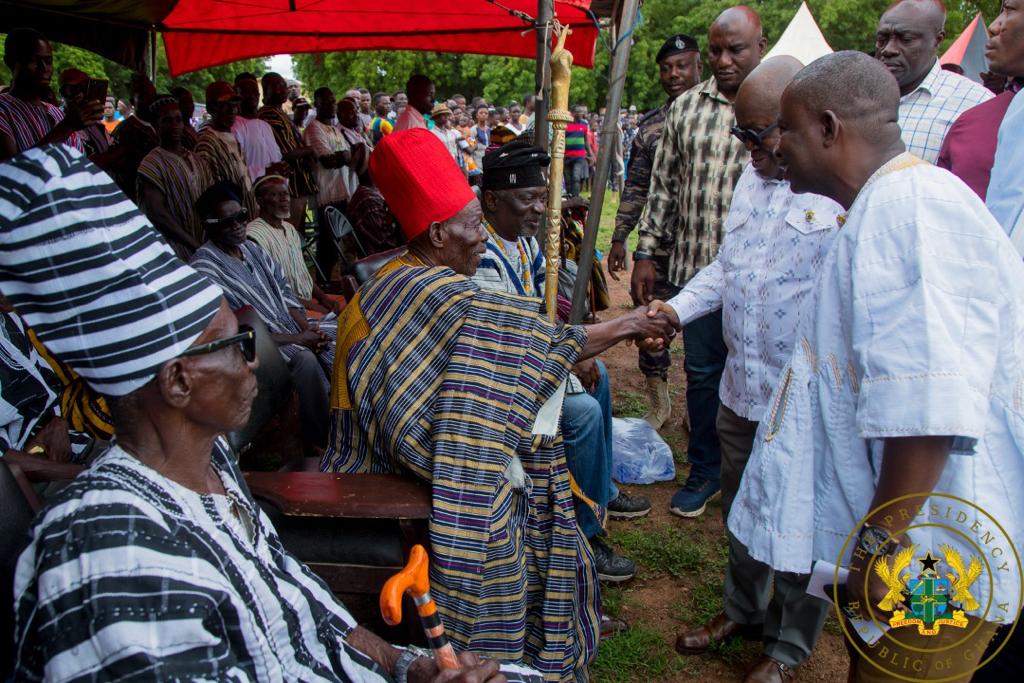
point(340, 227)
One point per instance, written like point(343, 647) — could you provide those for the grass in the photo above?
point(666, 549)
point(639, 654)
point(628, 404)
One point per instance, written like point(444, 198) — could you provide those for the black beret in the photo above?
point(516, 164)
point(675, 45)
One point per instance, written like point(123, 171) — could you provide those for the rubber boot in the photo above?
point(659, 401)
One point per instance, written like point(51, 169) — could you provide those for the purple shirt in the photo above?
point(969, 149)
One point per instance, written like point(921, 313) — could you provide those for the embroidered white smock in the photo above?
point(775, 242)
point(916, 328)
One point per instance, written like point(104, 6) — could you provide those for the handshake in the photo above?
point(656, 324)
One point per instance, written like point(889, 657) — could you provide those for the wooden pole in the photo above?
point(605, 155)
point(559, 117)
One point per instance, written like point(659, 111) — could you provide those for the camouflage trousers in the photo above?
point(657, 364)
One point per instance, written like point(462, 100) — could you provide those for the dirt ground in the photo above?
point(680, 562)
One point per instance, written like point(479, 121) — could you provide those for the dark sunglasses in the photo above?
point(229, 221)
point(755, 137)
point(246, 337)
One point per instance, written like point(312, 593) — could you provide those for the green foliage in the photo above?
point(628, 404)
point(638, 654)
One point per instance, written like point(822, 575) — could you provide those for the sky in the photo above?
point(282, 64)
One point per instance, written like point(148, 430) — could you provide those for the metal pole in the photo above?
point(542, 75)
point(616, 82)
point(152, 56)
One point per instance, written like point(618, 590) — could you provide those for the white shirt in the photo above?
point(450, 138)
point(335, 184)
point(1005, 197)
point(766, 267)
point(927, 113)
point(916, 329)
point(256, 138)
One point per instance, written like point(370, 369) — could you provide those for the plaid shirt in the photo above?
point(695, 169)
point(927, 113)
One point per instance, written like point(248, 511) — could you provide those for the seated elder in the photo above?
point(156, 563)
point(272, 231)
point(463, 388)
point(249, 277)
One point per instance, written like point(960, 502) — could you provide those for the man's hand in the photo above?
point(588, 373)
point(54, 440)
point(314, 340)
point(641, 285)
point(279, 168)
point(654, 309)
point(861, 565)
point(616, 259)
point(474, 670)
point(80, 113)
point(653, 328)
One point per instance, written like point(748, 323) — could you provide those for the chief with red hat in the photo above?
point(435, 377)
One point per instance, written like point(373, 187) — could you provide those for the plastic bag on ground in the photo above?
point(639, 454)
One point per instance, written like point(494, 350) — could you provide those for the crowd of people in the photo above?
point(838, 243)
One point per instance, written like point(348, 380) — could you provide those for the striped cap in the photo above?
point(87, 271)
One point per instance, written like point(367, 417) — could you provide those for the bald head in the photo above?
point(757, 111)
point(761, 91)
point(838, 116)
point(869, 96)
point(735, 46)
point(907, 39)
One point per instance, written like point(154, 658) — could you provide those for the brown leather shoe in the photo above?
point(768, 670)
point(698, 640)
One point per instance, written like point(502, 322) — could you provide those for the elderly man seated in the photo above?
point(272, 231)
point(249, 277)
point(156, 563)
point(514, 202)
point(463, 388)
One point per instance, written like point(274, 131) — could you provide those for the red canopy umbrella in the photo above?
point(203, 33)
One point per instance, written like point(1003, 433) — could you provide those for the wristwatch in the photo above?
point(405, 660)
point(875, 540)
point(642, 256)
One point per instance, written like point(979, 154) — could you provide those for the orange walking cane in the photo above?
point(415, 581)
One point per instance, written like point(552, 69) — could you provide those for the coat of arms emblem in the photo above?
point(934, 600)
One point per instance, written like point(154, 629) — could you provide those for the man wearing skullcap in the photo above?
point(272, 231)
point(462, 388)
point(894, 435)
point(170, 180)
point(514, 202)
point(250, 277)
point(219, 147)
point(156, 562)
point(678, 70)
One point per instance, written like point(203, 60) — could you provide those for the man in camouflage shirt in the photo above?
point(679, 70)
point(695, 170)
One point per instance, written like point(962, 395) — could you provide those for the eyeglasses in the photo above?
point(228, 221)
point(246, 337)
point(755, 137)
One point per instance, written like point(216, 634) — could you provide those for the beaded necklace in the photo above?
point(523, 260)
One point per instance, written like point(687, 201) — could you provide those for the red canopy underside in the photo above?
point(204, 33)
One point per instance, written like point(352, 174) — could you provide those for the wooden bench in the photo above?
point(353, 530)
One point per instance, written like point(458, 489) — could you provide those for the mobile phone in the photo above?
point(96, 90)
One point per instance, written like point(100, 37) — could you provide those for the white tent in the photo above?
point(801, 39)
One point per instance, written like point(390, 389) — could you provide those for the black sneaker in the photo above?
point(611, 567)
point(628, 507)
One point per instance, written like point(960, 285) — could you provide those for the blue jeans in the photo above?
point(587, 434)
point(704, 361)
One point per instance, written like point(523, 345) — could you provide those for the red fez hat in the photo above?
point(419, 179)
